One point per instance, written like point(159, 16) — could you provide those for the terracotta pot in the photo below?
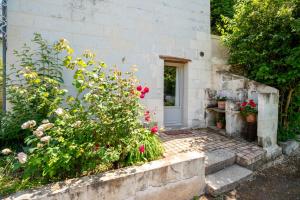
point(251, 118)
point(219, 125)
point(221, 105)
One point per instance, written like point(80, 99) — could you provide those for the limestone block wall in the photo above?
point(178, 177)
point(127, 33)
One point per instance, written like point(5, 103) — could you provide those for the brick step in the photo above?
point(226, 179)
point(218, 160)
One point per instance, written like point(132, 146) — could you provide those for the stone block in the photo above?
point(218, 160)
point(289, 147)
point(182, 190)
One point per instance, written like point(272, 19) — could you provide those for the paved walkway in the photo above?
point(205, 140)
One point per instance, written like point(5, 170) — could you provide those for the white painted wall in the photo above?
point(136, 30)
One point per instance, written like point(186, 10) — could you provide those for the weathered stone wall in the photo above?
point(180, 177)
point(239, 89)
point(127, 33)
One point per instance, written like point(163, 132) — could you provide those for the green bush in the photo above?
point(263, 38)
point(34, 89)
point(96, 130)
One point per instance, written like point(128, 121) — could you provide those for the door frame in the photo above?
point(181, 68)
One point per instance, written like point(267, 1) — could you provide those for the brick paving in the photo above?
point(206, 140)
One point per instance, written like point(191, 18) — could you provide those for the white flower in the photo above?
point(59, 111)
point(6, 151)
point(45, 127)
point(77, 124)
point(38, 133)
point(45, 121)
point(45, 139)
point(22, 157)
point(28, 124)
point(40, 145)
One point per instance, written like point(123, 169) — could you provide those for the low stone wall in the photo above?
point(180, 177)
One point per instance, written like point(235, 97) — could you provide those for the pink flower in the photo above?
point(154, 129)
point(147, 113)
point(139, 88)
point(142, 96)
point(22, 157)
point(147, 119)
point(146, 90)
point(142, 149)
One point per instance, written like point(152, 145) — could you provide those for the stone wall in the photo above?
point(127, 33)
point(238, 89)
point(179, 177)
point(219, 58)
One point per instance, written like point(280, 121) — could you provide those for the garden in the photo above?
point(51, 135)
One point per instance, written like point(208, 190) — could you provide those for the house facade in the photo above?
point(168, 41)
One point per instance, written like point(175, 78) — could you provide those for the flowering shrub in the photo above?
point(34, 89)
point(97, 129)
point(248, 107)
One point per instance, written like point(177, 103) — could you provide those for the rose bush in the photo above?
point(95, 130)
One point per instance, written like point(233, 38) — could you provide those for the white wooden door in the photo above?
point(173, 86)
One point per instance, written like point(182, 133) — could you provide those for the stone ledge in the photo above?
point(181, 173)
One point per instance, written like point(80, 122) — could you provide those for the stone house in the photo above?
point(169, 42)
point(156, 36)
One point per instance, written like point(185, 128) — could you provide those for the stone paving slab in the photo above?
point(226, 179)
point(207, 140)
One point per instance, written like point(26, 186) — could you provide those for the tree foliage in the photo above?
point(220, 8)
point(264, 41)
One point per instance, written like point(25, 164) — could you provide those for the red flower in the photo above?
point(142, 96)
point(251, 100)
point(252, 104)
point(147, 113)
point(244, 104)
point(142, 149)
point(154, 129)
point(146, 90)
point(139, 88)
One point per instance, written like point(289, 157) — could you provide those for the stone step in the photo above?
point(226, 179)
point(218, 160)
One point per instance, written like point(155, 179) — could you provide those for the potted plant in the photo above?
point(220, 122)
point(221, 102)
point(249, 110)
